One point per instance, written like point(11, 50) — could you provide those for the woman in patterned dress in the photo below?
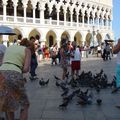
point(64, 60)
point(12, 91)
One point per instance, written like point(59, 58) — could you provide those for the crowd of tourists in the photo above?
point(23, 57)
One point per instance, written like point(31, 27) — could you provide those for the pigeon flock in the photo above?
point(73, 87)
point(81, 87)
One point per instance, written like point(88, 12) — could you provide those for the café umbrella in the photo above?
point(5, 30)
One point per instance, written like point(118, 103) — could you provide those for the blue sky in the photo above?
point(116, 19)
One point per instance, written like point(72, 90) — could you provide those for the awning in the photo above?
point(5, 30)
point(109, 40)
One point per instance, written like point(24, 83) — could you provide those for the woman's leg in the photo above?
point(72, 73)
point(24, 112)
point(9, 115)
point(64, 73)
point(77, 73)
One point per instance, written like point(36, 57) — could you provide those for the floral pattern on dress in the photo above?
point(12, 91)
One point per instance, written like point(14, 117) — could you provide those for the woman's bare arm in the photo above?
point(27, 61)
point(116, 48)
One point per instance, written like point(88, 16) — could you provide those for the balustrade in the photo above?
point(49, 22)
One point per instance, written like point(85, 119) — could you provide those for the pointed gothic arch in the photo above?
point(20, 10)
point(50, 38)
point(64, 37)
point(10, 8)
point(29, 9)
point(78, 38)
point(88, 39)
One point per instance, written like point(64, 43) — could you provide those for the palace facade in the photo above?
point(86, 21)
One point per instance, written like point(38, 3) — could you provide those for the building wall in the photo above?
point(98, 20)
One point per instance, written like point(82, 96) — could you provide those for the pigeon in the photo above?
point(47, 82)
point(43, 83)
point(86, 92)
point(97, 89)
point(69, 97)
point(65, 92)
point(64, 104)
point(77, 91)
point(67, 75)
point(63, 87)
point(57, 78)
point(99, 101)
point(57, 84)
point(81, 102)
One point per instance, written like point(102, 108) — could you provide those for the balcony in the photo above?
point(49, 22)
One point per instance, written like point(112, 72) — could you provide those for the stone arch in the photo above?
point(78, 38)
point(99, 38)
point(50, 38)
point(64, 37)
point(88, 39)
point(15, 37)
point(33, 33)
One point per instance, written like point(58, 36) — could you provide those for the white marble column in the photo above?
point(5, 40)
point(4, 11)
point(25, 6)
point(71, 37)
point(50, 20)
point(33, 14)
point(57, 17)
point(42, 16)
point(15, 13)
point(64, 18)
point(71, 18)
point(111, 24)
point(77, 19)
point(93, 23)
point(107, 22)
point(88, 20)
point(58, 42)
point(98, 22)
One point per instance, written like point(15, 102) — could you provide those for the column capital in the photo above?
point(4, 3)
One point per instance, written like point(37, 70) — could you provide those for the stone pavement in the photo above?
point(44, 101)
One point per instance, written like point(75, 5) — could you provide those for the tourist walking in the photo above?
point(75, 61)
point(34, 62)
point(54, 53)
